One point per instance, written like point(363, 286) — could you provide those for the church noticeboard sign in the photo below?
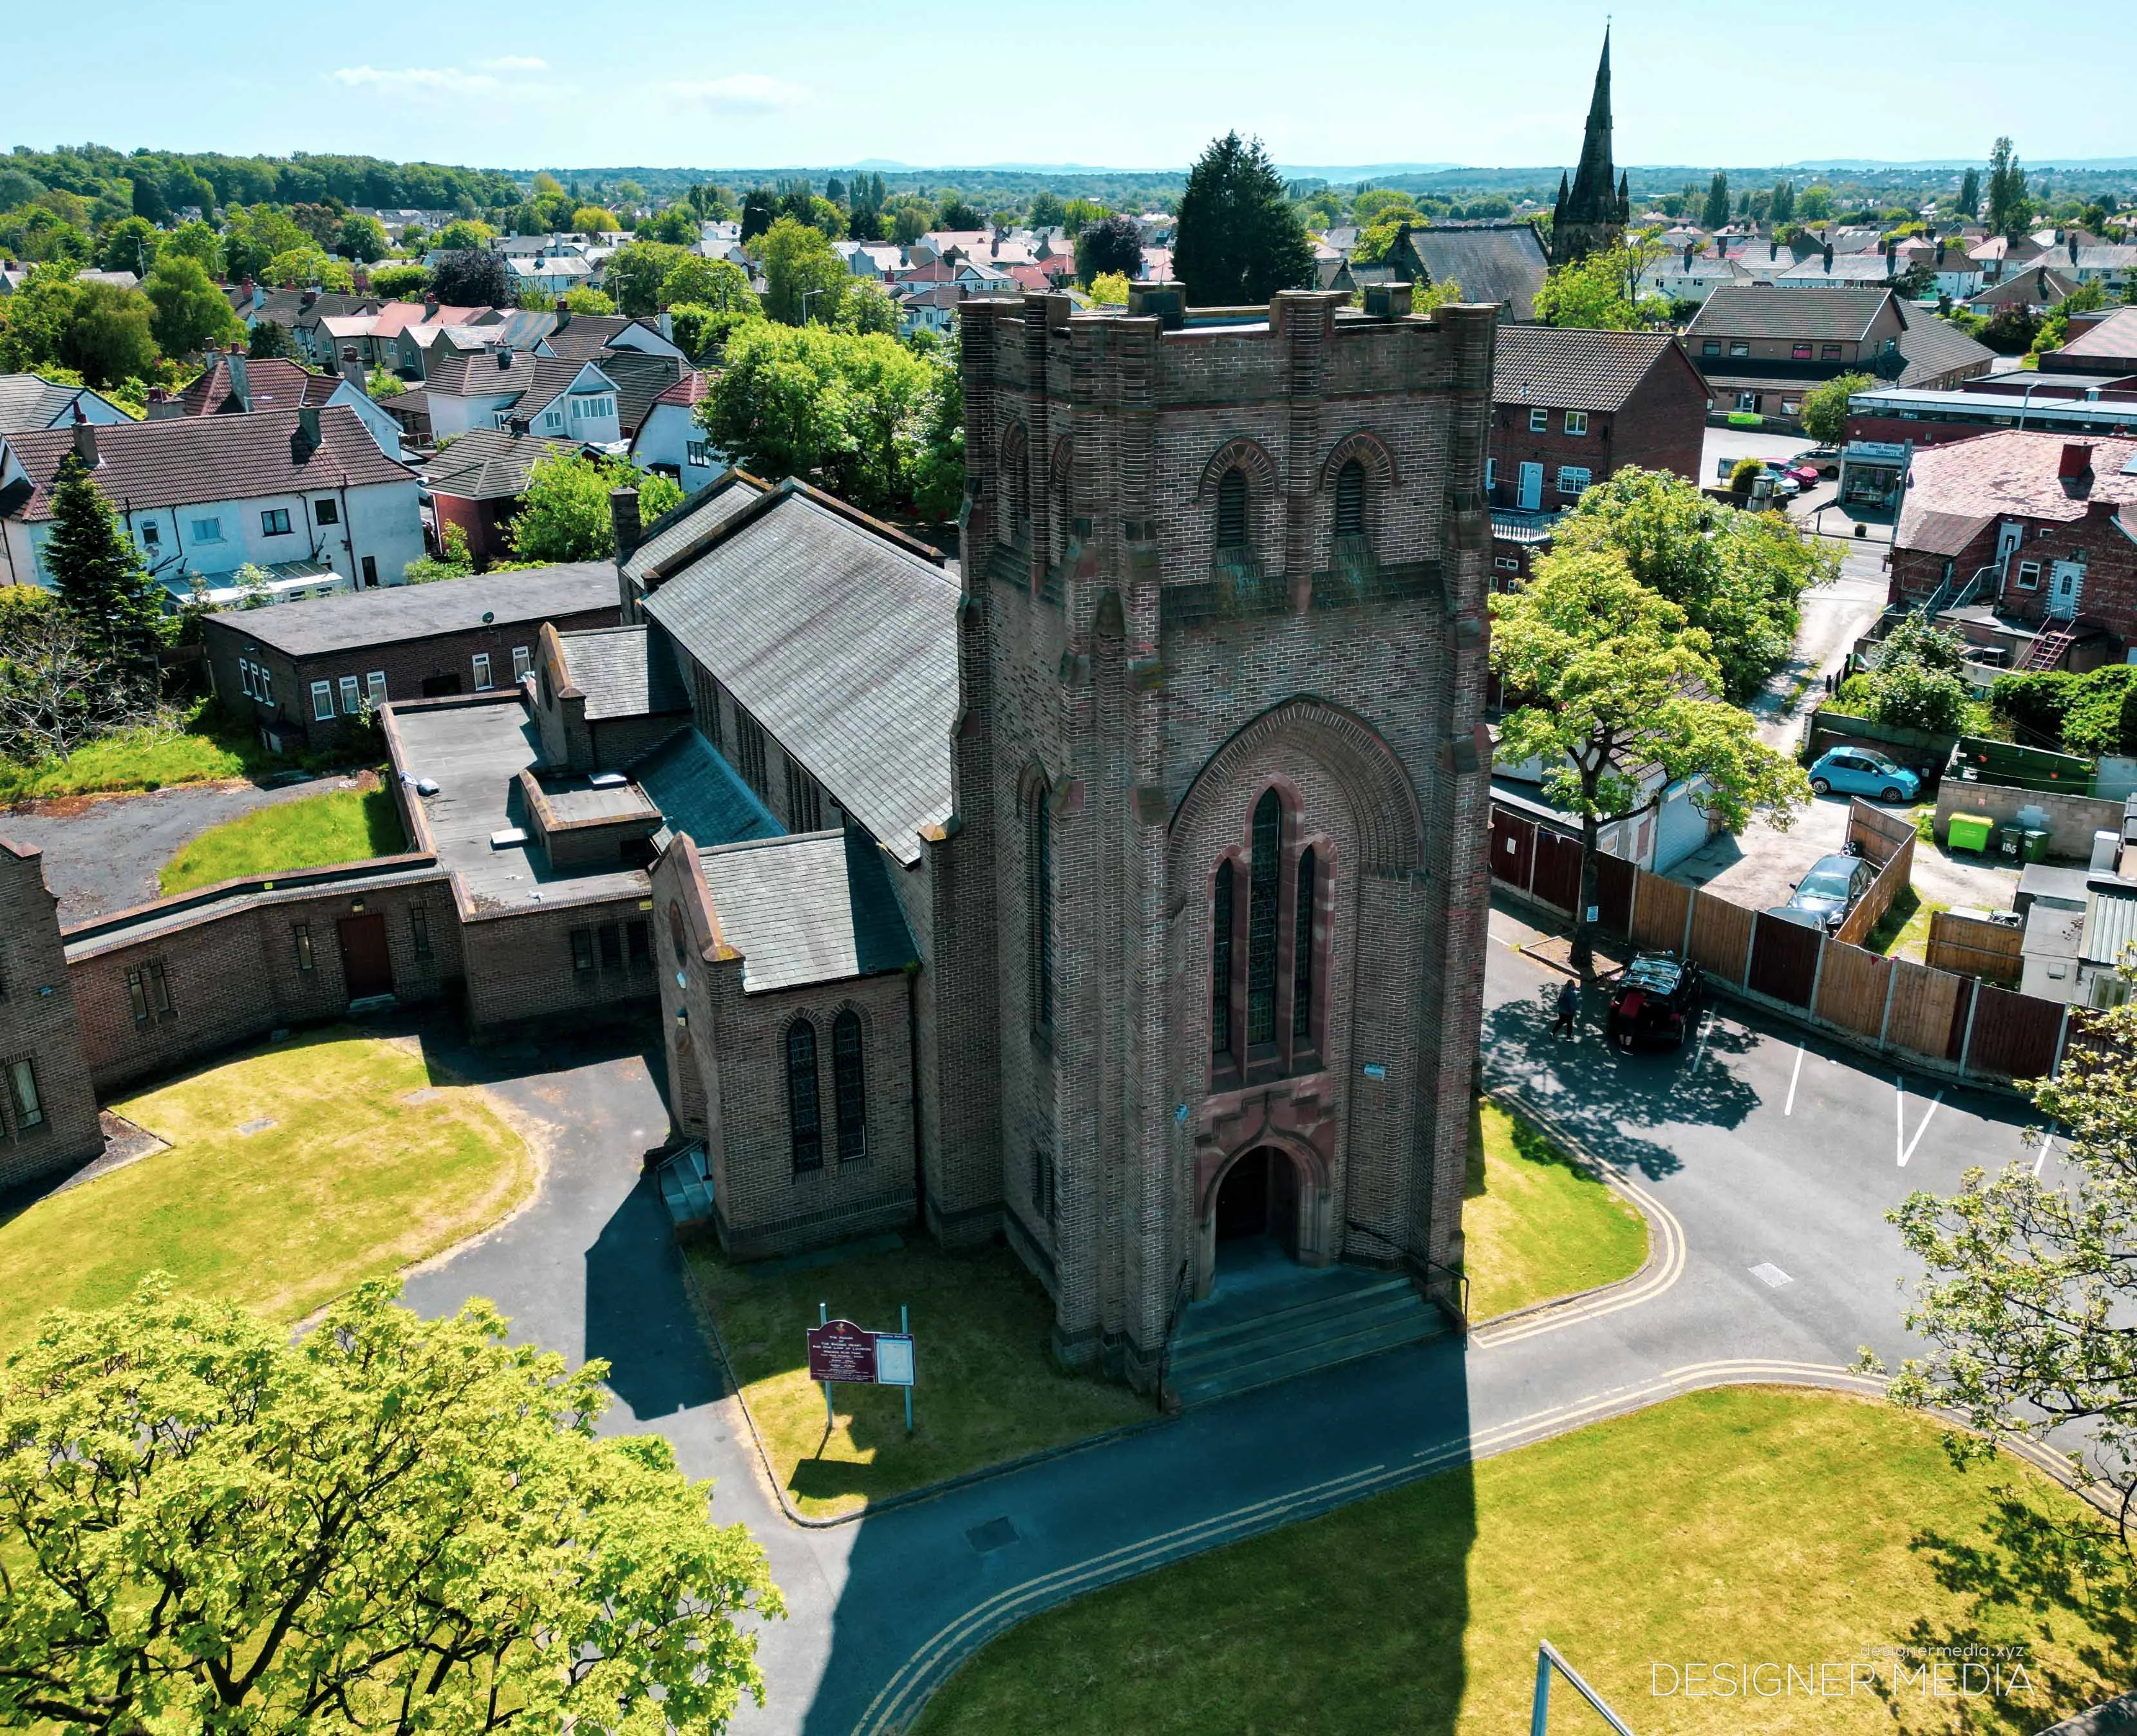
point(841, 1351)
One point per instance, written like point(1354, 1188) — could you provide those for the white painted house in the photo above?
point(556, 397)
point(671, 440)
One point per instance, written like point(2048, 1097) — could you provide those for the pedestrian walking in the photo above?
point(1567, 1022)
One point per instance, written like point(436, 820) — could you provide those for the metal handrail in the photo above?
point(1424, 1265)
point(1181, 1288)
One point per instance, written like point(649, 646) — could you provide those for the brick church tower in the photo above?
point(1224, 640)
point(48, 1121)
point(1593, 209)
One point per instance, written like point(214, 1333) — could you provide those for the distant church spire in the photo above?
point(1592, 212)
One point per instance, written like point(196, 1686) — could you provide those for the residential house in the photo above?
point(593, 336)
point(1762, 348)
point(306, 327)
point(234, 384)
point(305, 671)
point(2032, 538)
point(305, 493)
point(2038, 288)
point(1691, 276)
point(30, 404)
point(476, 483)
point(553, 274)
point(556, 397)
point(928, 307)
point(670, 439)
point(2099, 343)
point(2111, 265)
point(1830, 271)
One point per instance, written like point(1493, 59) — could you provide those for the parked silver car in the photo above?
point(1828, 892)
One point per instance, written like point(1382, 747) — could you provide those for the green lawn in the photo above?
point(987, 1390)
point(350, 1181)
point(1748, 1525)
point(200, 747)
point(1536, 1226)
point(1903, 931)
point(344, 826)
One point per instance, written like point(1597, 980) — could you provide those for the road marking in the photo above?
point(2048, 1145)
point(1699, 1054)
point(1794, 1074)
point(1769, 1275)
point(1904, 1144)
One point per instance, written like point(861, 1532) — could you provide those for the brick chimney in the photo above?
point(429, 305)
point(308, 298)
point(304, 439)
point(2076, 463)
point(563, 312)
point(85, 439)
point(624, 520)
point(351, 366)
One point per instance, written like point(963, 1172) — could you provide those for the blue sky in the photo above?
point(707, 82)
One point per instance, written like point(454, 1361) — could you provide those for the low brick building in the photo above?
point(48, 1102)
point(303, 671)
point(2031, 539)
point(475, 485)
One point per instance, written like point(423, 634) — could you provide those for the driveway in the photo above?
point(1766, 1163)
point(1832, 617)
point(102, 852)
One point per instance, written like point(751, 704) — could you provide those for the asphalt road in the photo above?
point(1765, 1165)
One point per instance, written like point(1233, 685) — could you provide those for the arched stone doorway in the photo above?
point(1268, 1203)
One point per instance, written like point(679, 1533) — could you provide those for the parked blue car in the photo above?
point(1858, 772)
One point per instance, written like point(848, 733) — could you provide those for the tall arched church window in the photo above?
point(805, 1119)
point(1301, 952)
point(1039, 892)
point(849, 1085)
point(1220, 962)
point(1351, 500)
point(1232, 508)
point(1263, 877)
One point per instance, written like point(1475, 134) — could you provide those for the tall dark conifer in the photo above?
point(1239, 240)
point(98, 575)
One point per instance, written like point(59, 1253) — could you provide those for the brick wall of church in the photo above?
point(39, 1024)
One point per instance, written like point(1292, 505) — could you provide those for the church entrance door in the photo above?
point(1257, 1210)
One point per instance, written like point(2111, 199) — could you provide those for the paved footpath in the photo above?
point(1765, 1166)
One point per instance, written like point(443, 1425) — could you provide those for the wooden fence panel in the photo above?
point(1976, 949)
point(1877, 834)
point(1850, 989)
point(1615, 879)
point(1513, 848)
point(1557, 878)
point(2014, 1035)
point(1892, 879)
point(1784, 959)
point(1658, 916)
point(1721, 934)
point(1923, 1002)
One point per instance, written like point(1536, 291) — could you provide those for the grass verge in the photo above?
point(349, 1179)
point(1747, 1525)
point(987, 1391)
point(344, 826)
point(198, 746)
point(1903, 931)
point(1534, 1226)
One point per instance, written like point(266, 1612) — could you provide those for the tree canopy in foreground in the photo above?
point(393, 1523)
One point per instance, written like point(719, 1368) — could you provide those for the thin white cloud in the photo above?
point(414, 80)
point(740, 93)
point(516, 63)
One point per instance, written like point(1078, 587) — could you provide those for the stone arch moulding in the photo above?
point(1317, 1200)
point(1249, 455)
point(1383, 800)
point(1371, 450)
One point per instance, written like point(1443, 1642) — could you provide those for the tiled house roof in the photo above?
point(1756, 311)
point(490, 464)
point(816, 907)
point(1571, 368)
point(2015, 473)
point(621, 674)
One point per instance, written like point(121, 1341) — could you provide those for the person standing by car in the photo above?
point(1568, 1021)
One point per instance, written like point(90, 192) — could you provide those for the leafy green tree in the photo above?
point(593, 220)
point(2008, 205)
point(388, 1523)
point(34, 321)
point(1824, 413)
point(760, 207)
point(463, 233)
point(108, 336)
point(1918, 681)
point(909, 216)
point(2011, 330)
point(191, 314)
point(713, 283)
point(677, 225)
point(960, 215)
point(472, 277)
point(309, 266)
point(1743, 473)
point(804, 280)
point(1739, 577)
point(455, 563)
point(1968, 200)
point(400, 283)
point(2087, 298)
point(637, 273)
point(1112, 244)
point(1599, 290)
point(253, 238)
point(1110, 289)
point(564, 514)
point(98, 573)
point(1046, 209)
point(2029, 1301)
point(1383, 204)
point(1714, 214)
point(146, 198)
point(130, 245)
point(198, 242)
point(362, 238)
point(1604, 676)
point(1815, 205)
point(1383, 241)
point(1781, 204)
point(584, 301)
point(1239, 241)
point(865, 306)
point(269, 339)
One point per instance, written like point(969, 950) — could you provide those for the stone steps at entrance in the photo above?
point(1268, 1320)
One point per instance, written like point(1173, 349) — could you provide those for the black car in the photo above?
point(1655, 999)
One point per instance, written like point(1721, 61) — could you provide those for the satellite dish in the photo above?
point(487, 617)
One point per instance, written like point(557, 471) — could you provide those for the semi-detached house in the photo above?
point(554, 398)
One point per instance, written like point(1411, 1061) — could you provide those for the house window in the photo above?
point(638, 941)
point(275, 521)
point(1573, 478)
point(301, 932)
point(1828, 351)
point(1264, 875)
point(522, 664)
point(850, 1085)
point(352, 696)
point(152, 538)
point(1539, 421)
point(592, 409)
point(804, 799)
point(749, 749)
point(1351, 500)
point(1789, 406)
point(805, 1121)
point(149, 991)
point(1232, 508)
point(483, 683)
point(419, 931)
point(1491, 474)
point(29, 1108)
point(207, 530)
point(583, 949)
point(263, 678)
point(611, 938)
point(1220, 962)
point(2029, 575)
point(699, 454)
point(1710, 347)
point(1039, 892)
point(323, 709)
point(1507, 563)
point(1799, 353)
point(1044, 1192)
point(1739, 346)
point(1747, 401)
point(326, 512)
point(1301, 952)
point(1576, 422)
point(374, 686)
